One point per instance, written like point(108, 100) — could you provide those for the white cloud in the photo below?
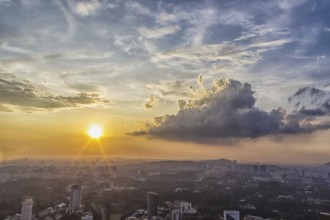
point(165, 18)
point(201, 21)
point(270, 44)
point(86, 8)
point(92, 55)
point(307, 38)
point(125, 43)
point(158, 32)
point(15, 49)
point(290, 4)
point(234, 55)
point(256, 31)
point(136, 7)
point(71, 24)
point(130, 44)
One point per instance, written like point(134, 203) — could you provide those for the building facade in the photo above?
point(75, 197)
point(152, 204)
point(26, 213)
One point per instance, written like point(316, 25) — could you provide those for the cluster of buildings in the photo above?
point(178, 210)
point(191, 177)
point(74, 207)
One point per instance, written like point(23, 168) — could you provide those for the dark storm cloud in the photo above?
point(312, 112)
point(317, 101)
point(227, 110)
point(313, 93)
point(25, 94)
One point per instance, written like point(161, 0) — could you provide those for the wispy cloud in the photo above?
point(158, 32)
point(85, 8)
point(136, 7)
point(165, 18)
point(224, 54)
point(170, 88)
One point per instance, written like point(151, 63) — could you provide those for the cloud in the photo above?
point(158, 32)
point(308, 95)
point(150, 103)
point(313, 92)
point(201, 20)
point(314, 6)
point(200, 79)
point(171, 88)
point(5, 109)
point(126, 43)
point(271, 44)
point(5, 3)
point(313, 102)
point(229, 54)
point(13, 49)
point(86, 87)
point(24, 94)
point(135, 7)
point(227, 110)
point(165, 18)
point(85, 8)
point(256, 31)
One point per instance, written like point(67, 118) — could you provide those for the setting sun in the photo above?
point(95, 131)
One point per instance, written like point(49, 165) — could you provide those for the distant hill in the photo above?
point(222, 161)
point(195, 162)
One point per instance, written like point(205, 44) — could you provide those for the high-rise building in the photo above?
point(26, 213)
point(75, 197)
point(152, 204)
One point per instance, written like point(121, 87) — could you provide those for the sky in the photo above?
point(166, 79)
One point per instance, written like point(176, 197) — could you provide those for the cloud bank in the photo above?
point(24, 94)
point(227, 110)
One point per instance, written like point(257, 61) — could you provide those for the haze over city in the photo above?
point(243, 80)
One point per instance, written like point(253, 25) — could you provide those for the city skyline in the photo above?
point(165, 79)
point(162, 189)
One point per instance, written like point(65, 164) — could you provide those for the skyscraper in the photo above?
point(152, 204)
point(75, 197)
point(27, 209)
